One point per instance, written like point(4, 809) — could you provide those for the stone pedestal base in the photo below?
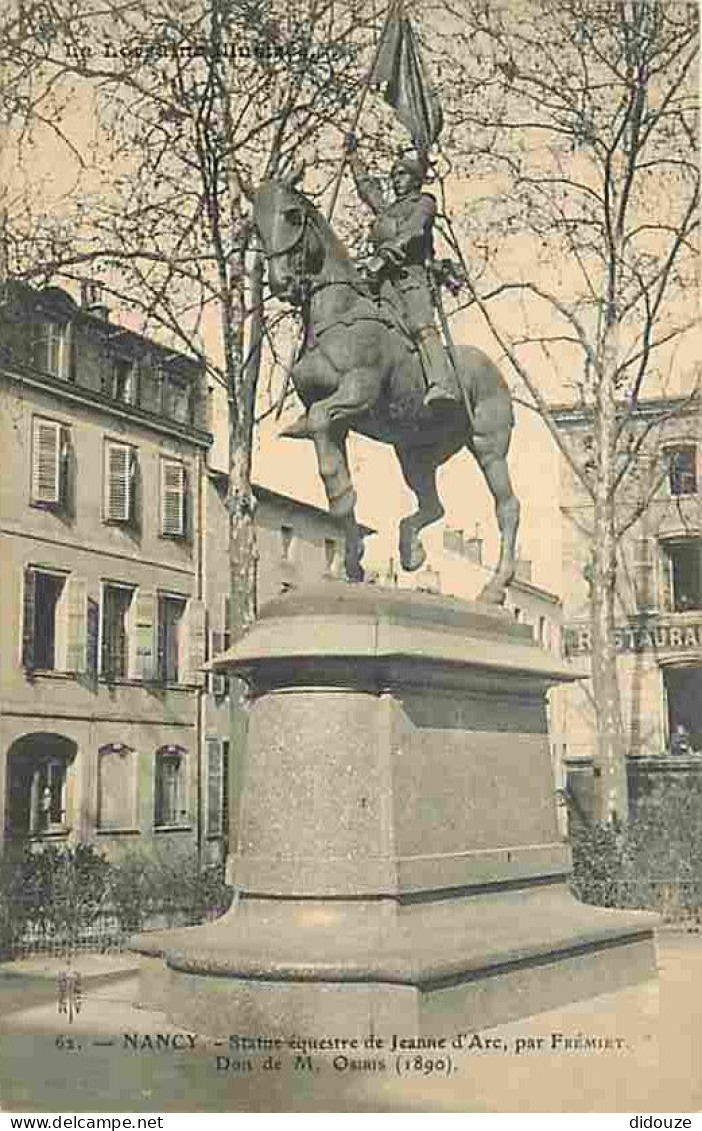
point(398, 867)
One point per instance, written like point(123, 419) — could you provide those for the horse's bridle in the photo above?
point(299, 245)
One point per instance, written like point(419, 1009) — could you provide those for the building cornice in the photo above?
point(576, 416)
point(89, 398)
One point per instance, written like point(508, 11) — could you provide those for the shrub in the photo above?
point(56, 891)
point(168, 886)
point(652, 861)
point(69, 896)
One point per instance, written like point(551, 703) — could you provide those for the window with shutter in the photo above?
point(116, 605)
point(122, 385)
point(28, 603)
point(686, 574)
point(226, 623)
point(76, 602)
point(93, 637)
point(117, 787)
point(143, 625)
point(170, 642)
point(170, 794)
point(195, 643)
point(217, 815)
point(52, 349)
point(47, 448)
point(682, 469)
point(120, 467)
point(49, 796)
point(644, 575)
point(214, 787)
point(173, 492)
point(42, 648)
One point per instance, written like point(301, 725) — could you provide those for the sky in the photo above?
point(290, 466)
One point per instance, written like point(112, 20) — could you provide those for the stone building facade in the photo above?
point(102, 619)
point(113, 570)
point(659, 589)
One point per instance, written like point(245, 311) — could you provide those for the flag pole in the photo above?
point(393, 6)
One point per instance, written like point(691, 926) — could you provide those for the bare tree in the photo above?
point(581, 121)
point(192, 105)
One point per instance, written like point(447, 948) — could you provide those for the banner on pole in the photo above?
point(409, 88)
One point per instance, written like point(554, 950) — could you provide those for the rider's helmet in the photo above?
point(412, 163)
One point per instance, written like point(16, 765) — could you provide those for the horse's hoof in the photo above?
point(412, 552)
point(298, 430)
point(343, 504)
point(491, 595)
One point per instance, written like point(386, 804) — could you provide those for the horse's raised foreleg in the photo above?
point(419, 470)
point(327, 423)
point(496, 474)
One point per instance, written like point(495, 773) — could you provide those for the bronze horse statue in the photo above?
point(358, 369)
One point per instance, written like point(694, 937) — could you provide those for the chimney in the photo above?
point(91, 299)
point(453, 540)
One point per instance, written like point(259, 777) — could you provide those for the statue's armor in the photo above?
point(402, 236)
point(405, 226)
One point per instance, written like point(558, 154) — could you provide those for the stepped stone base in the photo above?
point(398, 867)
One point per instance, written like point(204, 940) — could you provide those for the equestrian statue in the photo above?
point(372, 358)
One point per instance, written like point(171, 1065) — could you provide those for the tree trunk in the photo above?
point(611, 797)
point(243, 366)
point(242, 378)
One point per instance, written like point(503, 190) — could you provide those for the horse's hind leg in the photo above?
point(494, 468)
point(419, 469)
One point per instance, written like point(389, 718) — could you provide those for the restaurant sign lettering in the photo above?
point(651, 636)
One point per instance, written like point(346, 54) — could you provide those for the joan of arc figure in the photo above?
point(402, 241)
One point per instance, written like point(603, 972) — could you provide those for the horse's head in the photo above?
point(299, 244)
point(286, 223)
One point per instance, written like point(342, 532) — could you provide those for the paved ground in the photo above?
point(653, 1062)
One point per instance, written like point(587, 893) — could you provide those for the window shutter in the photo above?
point(644, 575)
point(116, 787)
point(93, 636)
point(214, 787)
point(172, 498)
point(195, 642)
point(76, 598)
point(46, 462)
point(144, 621)
point(28, 619)
point(65, 362)
point(226, 622)
point(119, 473)
point(40, 345)
point(666, 575)
point(219, 685)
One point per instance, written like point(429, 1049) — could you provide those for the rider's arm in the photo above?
point(416, 228)
point(368, 187)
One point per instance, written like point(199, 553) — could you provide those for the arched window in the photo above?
point(170, 787)
point(38, 772)
point(117, 787)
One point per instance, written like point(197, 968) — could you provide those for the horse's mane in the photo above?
point(329, 237)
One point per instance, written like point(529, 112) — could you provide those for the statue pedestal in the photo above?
point(397, 858)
